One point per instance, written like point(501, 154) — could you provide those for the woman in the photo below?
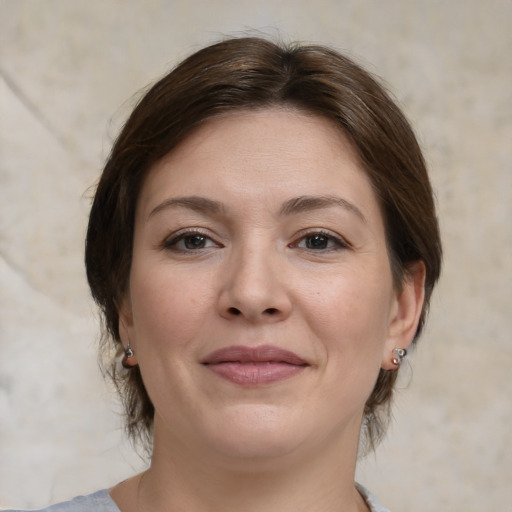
point(263, 245)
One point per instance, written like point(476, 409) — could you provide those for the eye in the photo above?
point(189, 241)
point(320, 241)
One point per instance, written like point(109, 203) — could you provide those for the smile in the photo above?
point(254, 366)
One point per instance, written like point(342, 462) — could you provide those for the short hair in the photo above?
point(247, 73)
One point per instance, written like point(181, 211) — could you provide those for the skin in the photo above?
point(253, 265)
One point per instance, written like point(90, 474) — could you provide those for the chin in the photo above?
point(257, 436)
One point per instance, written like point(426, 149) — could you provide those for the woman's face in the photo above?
point(261, 304)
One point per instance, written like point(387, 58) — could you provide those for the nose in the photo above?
point(254, 288)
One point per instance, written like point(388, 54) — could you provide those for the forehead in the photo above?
point(264, 154)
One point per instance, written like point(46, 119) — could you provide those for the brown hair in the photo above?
point(253, 73)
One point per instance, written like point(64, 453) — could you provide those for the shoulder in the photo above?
point(372, 502)
point(99, 501)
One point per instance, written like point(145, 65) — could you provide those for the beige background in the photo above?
point(69, 69)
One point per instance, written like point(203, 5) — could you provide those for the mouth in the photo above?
point(254, 366)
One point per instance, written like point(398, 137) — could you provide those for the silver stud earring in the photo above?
point(400, 353)
point(128, 354)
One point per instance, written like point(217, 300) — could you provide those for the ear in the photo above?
point(405, 313)
point(126, 331)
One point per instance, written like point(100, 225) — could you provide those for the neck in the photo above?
point(199, 482)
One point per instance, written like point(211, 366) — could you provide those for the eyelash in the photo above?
point(172, 242)
point(175, 239)
point(339, 242)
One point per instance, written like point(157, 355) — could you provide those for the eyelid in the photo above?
point(170, 241)
point(341, 242)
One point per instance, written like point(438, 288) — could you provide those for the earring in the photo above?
point(400, 353)
point(128, 354)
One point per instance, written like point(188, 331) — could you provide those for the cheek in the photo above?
point(168, 308)
point(351, 323)
point(350, 316)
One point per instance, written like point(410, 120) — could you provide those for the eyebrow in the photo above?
point(196, 203)
point(291, 207)
point(307, 203)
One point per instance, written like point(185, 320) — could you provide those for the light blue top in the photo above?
point(101, 501)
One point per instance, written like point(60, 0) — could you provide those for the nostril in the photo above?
point(270, 311)
point(234, 311)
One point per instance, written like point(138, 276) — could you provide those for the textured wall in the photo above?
point(68, 70)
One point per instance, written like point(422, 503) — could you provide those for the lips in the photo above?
point(254, 366)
